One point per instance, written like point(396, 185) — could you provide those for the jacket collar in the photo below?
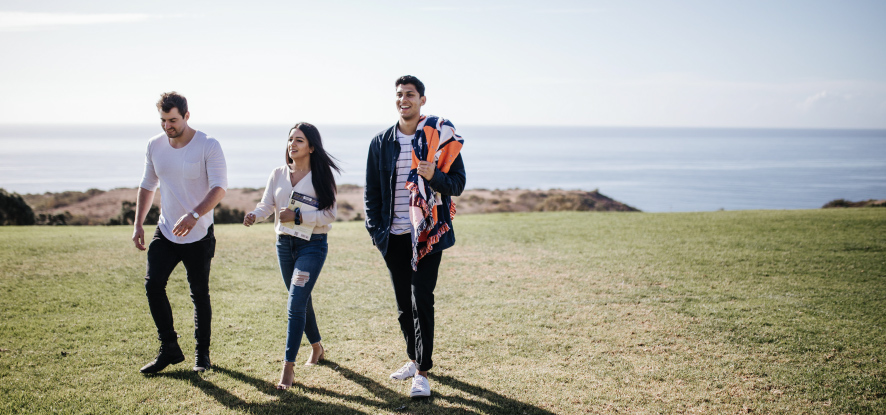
point(391, 134)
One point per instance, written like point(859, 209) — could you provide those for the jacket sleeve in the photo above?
point(452, 183)
point(372, 203)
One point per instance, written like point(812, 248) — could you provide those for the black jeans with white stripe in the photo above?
point(414, 292)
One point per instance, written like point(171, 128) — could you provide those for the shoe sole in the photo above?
point(176, 361)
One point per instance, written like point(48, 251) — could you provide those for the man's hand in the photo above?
point(249, 219)
point(426, 169)
point(138, 236)
point(184, 225)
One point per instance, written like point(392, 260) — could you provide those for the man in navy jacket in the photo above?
point(386, 202)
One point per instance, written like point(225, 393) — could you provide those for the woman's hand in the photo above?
point(249, 219)
point(286, 215)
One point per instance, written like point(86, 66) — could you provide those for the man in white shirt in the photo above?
point(189, 168)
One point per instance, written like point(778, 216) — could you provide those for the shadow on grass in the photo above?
point(287, 403)
point(472, 397)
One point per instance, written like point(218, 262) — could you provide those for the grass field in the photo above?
point(567, 313)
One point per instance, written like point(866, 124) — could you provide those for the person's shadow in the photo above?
point(384, 398)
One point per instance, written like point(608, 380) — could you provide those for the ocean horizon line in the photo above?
point(653, 169)
point(386, 125)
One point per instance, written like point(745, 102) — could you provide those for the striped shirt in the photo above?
point(401, 224)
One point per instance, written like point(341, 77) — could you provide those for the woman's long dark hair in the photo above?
point(322, 165)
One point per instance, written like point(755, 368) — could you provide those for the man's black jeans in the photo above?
point(414, 292)
point(163, 256)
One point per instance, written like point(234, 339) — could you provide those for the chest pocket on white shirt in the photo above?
point(193, 171)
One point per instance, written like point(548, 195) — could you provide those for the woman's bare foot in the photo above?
point(317, 354)
point(286, 376)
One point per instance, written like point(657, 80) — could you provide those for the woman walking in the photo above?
point(301, 233)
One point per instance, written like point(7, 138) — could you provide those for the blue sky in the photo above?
point(807, 64)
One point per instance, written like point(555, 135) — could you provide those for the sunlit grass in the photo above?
point(718, 312)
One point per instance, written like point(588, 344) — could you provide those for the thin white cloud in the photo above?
point(28, 20)
point(465, 9)
point(810, 101)
point(479, 9)
point(570, 11)
point(822, 98)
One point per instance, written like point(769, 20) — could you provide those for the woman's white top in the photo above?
point(276, 197)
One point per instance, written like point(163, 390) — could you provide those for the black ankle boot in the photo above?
point(202, 362)
point(169, 354)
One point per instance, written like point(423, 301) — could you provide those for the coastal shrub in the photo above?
point(843, 203)
point(224, 214)
point(529, 200)
point(49, 201)
point(345, 210)
point(346, 188)
point(14, 210)
point(64, 218)
point(58, 219)
point(127, 215)
point(837, 203)
point(566, 202)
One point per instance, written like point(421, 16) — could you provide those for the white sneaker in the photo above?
point(420, 387)
point(405, 372)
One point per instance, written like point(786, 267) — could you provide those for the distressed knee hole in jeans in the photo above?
point(300, 278)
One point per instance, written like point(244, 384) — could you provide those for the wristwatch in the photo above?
point(195, 215)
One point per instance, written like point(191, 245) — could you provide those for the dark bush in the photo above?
point(224, 214)
point(843, 203)
point(14, 210)
point(567, 202)
point(59, 219)
point(127, 215)
point(837, 203)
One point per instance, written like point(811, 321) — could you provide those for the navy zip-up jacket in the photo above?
point(378, 195)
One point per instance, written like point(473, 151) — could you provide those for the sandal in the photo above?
point(286, 376)
point(312, 361)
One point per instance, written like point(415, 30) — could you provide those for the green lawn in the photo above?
point(717, 312)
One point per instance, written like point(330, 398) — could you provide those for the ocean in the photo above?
point(652, 169)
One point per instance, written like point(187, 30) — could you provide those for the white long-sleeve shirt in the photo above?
point(185, 176)
point(276, 197)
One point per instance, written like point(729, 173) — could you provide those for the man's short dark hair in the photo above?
point(409, 79)
point(170, 100)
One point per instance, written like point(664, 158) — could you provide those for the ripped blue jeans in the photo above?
point(300, 264)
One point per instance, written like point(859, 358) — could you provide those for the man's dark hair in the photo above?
point(409, 79)
point(170, 100)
